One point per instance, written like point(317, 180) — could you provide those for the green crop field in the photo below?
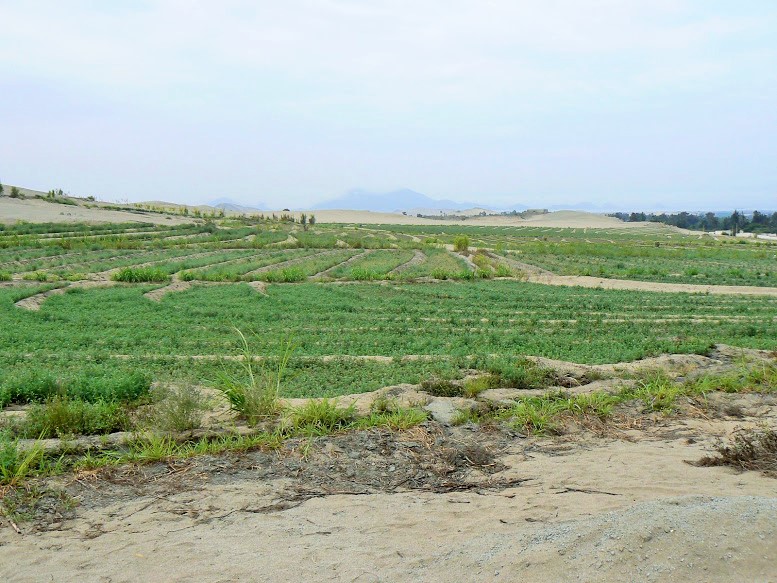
point(412, 309)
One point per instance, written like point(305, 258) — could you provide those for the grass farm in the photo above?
point(361, 358)
point(96, 322)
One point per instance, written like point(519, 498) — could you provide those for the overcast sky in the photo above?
point(627, 102)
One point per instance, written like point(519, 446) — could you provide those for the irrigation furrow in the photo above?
point(329, 270)
point(538, 275)
point(289, 263)
point(418, 258)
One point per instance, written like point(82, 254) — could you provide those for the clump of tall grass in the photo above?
point(5, 276)
point(15, 464)
point(286, 275)
point(141, 275)
point(255, 392)
point(177, 408)
point(319, 417)
point(62, 416)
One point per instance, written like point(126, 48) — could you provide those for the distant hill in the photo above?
point(395, 201)
point(228, 204)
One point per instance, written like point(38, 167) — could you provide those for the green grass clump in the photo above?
point(62, 416)
point(364, 274)
point(5, 276)
point(15, 464)
point(319, 418)
point(141, 275)
point(177, 408)
point(657, 392)
point(518, 373)
point(255, 392)
point(474, 386)
point(441, 388)
point(760, 377)
point(286, 275)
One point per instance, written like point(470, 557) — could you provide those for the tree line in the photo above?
point(737, 221)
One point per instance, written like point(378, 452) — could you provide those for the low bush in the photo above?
point(177, 408)
point(62, 416)
point(141, 275)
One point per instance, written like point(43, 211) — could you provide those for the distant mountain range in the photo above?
point(412, 202)
point(395, 201)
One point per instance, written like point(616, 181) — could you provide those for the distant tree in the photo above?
point(734, 223)
point(15, 193)
point(303, 220)
point(312, 220)
point(1, 189)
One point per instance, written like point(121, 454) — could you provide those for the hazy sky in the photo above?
point(631, 102)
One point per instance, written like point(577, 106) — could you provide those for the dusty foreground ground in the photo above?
point(605, 503)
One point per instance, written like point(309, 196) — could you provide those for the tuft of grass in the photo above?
point(141, 275)
point(255, 394)
point(519, 373)
point(16, 465)
point(461, 244)
point(363, 274)
point(286, 275)
point(177, 408)
point(319, 417)
point(474, 386)
point(5, 276)
point(441, 388)
point(656, 391)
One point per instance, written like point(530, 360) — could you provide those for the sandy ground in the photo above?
point(40, 211)
point(590, 509)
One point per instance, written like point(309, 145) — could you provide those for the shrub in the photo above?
point(5, 276)
point(461, 244)
point(178, 408)
point(15, 193)
point(63, 416)
point(141, 275)
point(441, 388)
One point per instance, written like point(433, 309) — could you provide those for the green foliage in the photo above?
point(62, 416)
point(177, 408)
point(141, 275)
point(15, 464)
point(255, 393)
point(285, 275)
point(461, 244)
point(656, 391)
point(15, 193)
point(5, 276)
point(35, 386)
point(318, 418)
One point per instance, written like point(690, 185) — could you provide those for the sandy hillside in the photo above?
point(558, 219)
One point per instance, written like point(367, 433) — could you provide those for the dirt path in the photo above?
point(536, 274)
point(418, 258)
